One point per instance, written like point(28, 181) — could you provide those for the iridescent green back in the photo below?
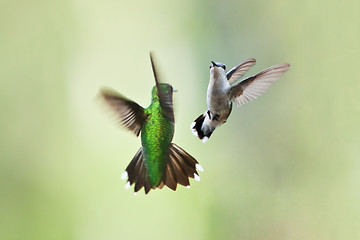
point(156, 135)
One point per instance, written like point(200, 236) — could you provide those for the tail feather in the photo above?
point(180, 167)
point(180, 173)
point(201, 127)
point(187, 166)
point(137, 173)
point(170, 177)
point(140, 179)
point(134, 167)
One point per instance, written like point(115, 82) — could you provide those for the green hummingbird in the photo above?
point(158, 162)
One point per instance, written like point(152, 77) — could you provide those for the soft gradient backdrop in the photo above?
point(286, 166)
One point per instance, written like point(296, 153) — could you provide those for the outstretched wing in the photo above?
point(165, 93)
point(253, 87)
point(238, 71)
point(130, 114)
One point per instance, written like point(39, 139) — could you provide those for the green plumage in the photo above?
point(158, 162)
point(156, 135)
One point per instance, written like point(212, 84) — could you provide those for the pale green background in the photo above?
point(286, 166)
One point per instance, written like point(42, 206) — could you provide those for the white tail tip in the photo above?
point(188, 186)
point(193, 130)
point(124, 175)
point(204, 139)
point(199, 167)
point(127, 185)
point(197, 178)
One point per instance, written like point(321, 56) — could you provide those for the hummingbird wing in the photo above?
point(238, 71)
point(165, 95)
point(130, 114)
point(254, 86)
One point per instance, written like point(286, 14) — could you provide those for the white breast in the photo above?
point(217, 92)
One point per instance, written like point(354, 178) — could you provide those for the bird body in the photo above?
point(158, 162)
point(223, 91)
point(218, 94)
point(156, 135)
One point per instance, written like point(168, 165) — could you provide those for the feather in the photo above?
point(130, 114)
point(254, 86)
point(137, 173)
point(165, 93)
point(238, 71)
point(170, 178)
point(184, 159)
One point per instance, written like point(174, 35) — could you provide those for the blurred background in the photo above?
point(285, 166)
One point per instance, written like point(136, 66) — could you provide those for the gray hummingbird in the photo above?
point(224, 89)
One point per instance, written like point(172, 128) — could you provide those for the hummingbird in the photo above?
point(224, 89)
point(158, 162)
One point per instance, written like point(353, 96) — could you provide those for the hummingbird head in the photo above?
point(165, 88)
point(217, 69)
point(218, 65)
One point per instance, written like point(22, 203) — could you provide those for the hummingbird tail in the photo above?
point(137, 173)
point(201, 127)
point(180, 167)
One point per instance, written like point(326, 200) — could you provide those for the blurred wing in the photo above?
point(253, 87)
point(166, 99)
point(238, 71)
point(129, 113)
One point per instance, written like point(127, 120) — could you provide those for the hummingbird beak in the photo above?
point(214, 64)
